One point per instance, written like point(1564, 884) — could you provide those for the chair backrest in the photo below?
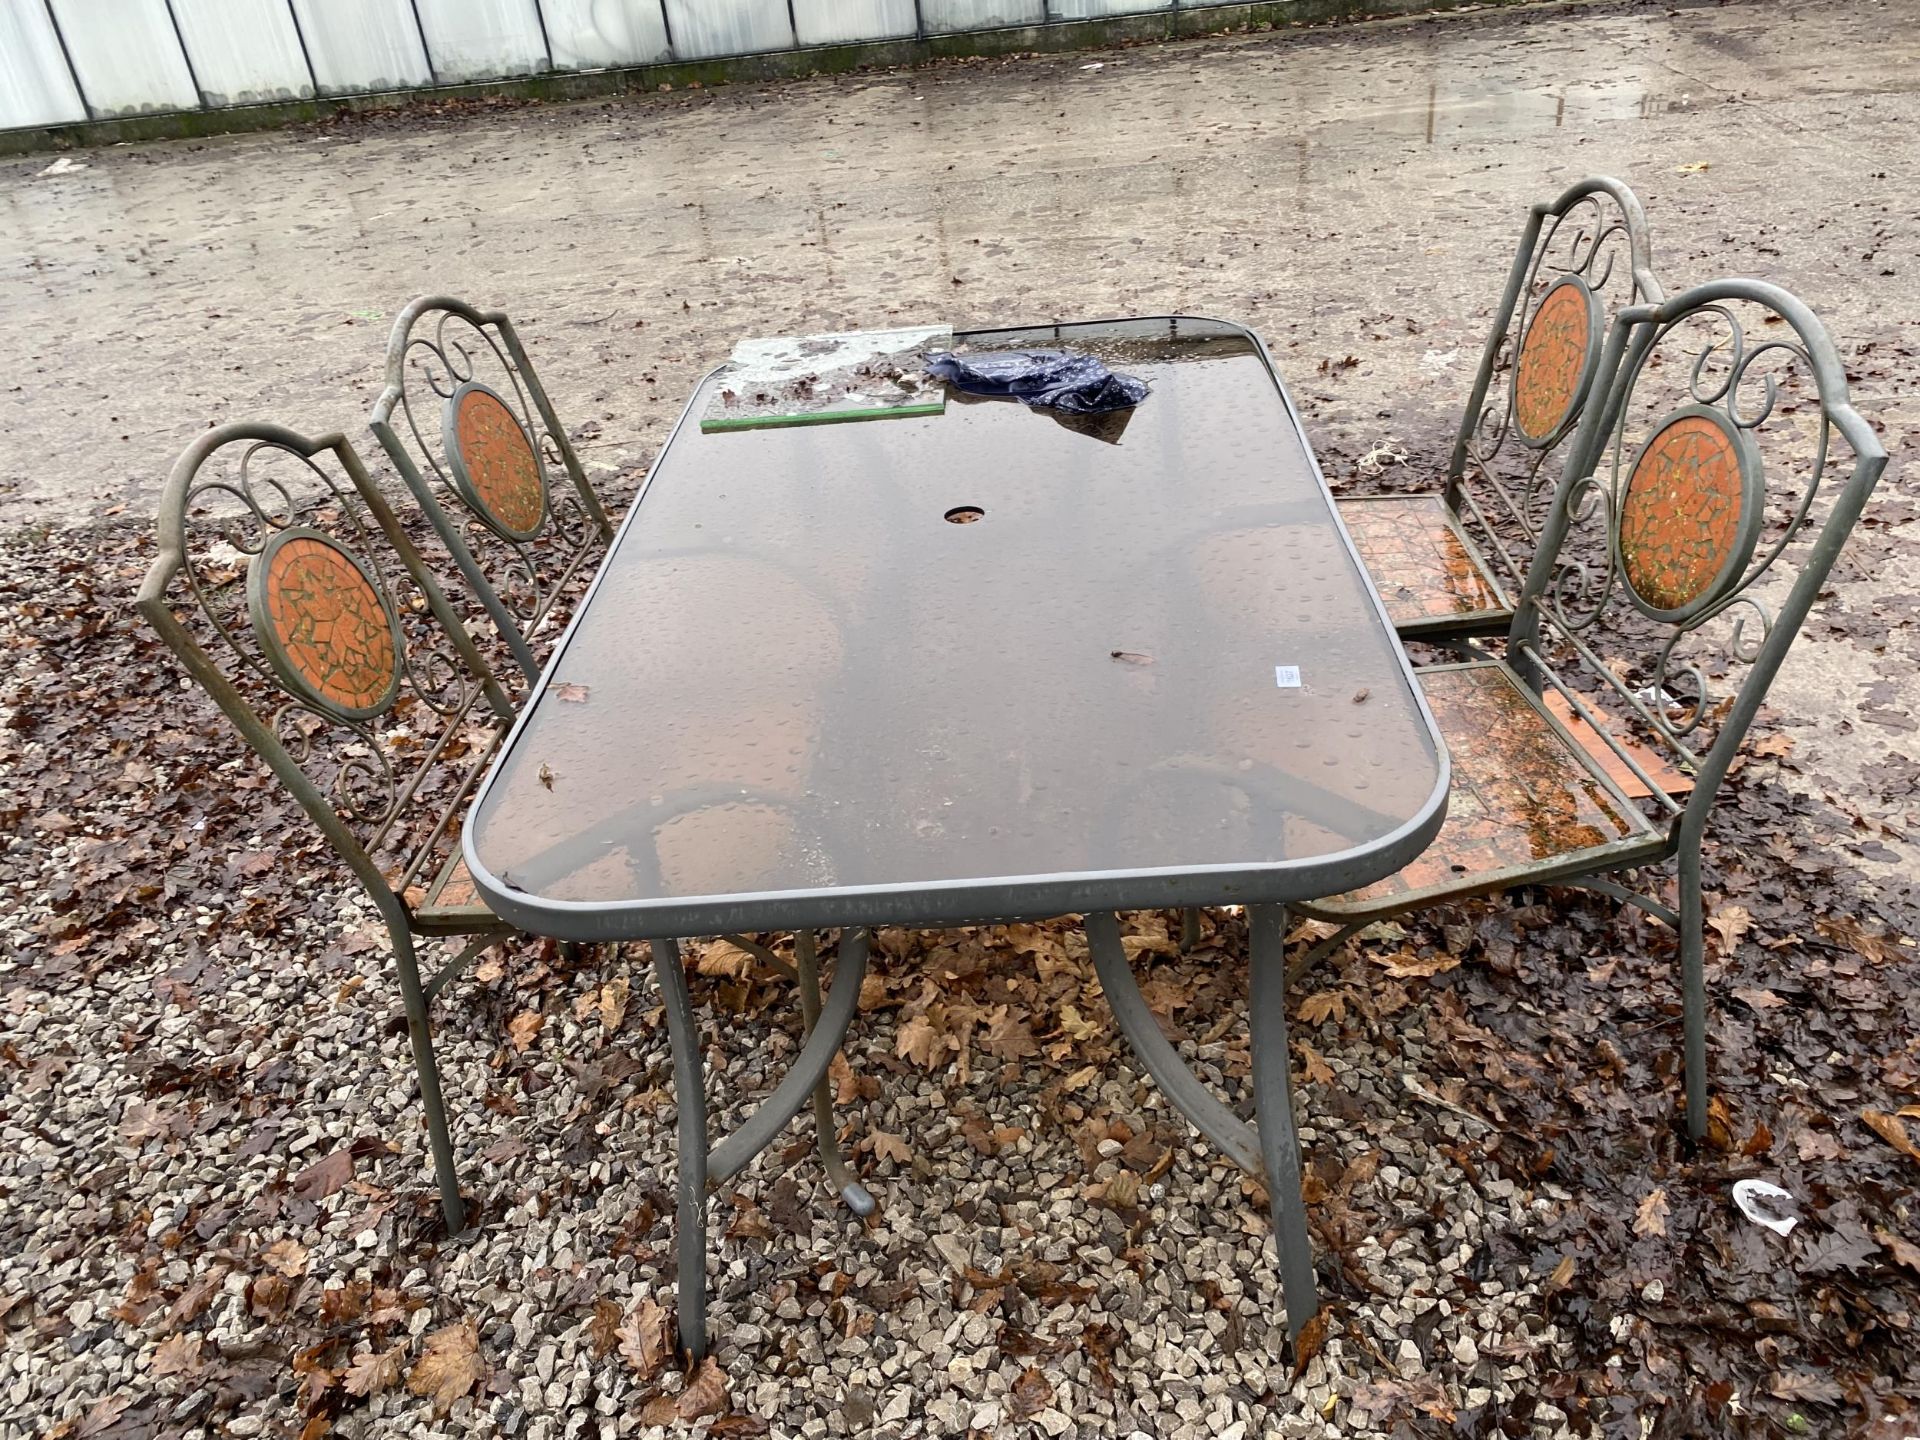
point(1582, 257)
point(1696, 522)
point(287, 587)
point(465, 421)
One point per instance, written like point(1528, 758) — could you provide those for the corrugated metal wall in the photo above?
point(67, 60)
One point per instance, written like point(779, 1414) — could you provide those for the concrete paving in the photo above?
point(1350, 192)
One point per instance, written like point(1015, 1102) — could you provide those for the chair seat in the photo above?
point(1432, 578)
point(451, 905)
point(1528, 802)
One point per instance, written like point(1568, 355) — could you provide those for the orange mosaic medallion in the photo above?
point(494, 466)
point(1556, 361)
point(322, 624)
point(1690, 513)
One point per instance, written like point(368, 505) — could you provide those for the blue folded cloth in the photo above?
point(1054, 379)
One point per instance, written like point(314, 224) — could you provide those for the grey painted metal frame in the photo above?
point(420, 338)
point(1603, 213)
point(1563, 597)
point(402, 920)
point(1272, 1153)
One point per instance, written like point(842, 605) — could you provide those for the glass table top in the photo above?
point(967, 666)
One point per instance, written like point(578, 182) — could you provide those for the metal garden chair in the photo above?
point(1693, 530)
point(482, 471)
point(479, 455)
point(1692, 534)
point(287, 587)
point(1449, 564)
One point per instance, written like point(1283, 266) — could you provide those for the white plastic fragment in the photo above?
point(64, 166)
point(1766, 1204)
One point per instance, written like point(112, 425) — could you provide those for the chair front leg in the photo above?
point(1273, 1110)
point(690, 1099)
point(414, 996)
point(1693, 986)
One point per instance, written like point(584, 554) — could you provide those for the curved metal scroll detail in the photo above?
point(465, 421)
point(289, 586)
point(1588, 257)
point(1692, 509)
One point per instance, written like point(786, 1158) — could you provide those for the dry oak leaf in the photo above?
point(523, 1027)
point(1317, 1069)
point(613, 1003)
point(1651, 1217)
point(1904, 1252)
point(603, 1330)
point(1324, 1005)
point(1731, 922)
point(1030, 1394)
point(1007, 1037)
point(1893, 1130)
point(372, 1371)
point(889, 1147)
point(919, 1042)
point(1757, 998)
point(323, 1177)
point(1405, 965)
point(645, 1340)
point(450, 1366)
point(179, 1355)
point(706, 1392)
point(286, 1257)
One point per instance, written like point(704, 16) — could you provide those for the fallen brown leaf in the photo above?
point(372, 1371)
point(1405, 965)
point(613, 1003)
point(524, 1027)
point(603, 1330)
point(323, 1177)
point(1651, 1217)
point(450, 1366)
point(286, 1257)
point(1030, 1394)
point(1904, 1252)
point(1317, 1069)
point(646, 1339)
point(178, 1355)
point(889, 1147)
point(706, 1392)
point(1893, 1130)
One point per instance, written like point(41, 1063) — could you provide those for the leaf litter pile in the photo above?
point(216, 1216)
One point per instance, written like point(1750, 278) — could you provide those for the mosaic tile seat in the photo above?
point(1528, 800)
point(1431, 576)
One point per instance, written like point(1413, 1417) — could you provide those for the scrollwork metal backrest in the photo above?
point(289, 589)
point(1581, 256)
point(1698, 519)
point(466, 422)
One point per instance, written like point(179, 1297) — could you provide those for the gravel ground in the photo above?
point(218, 1218)
point(215, 1211)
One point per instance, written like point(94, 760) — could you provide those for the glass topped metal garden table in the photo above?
point(1148, 671)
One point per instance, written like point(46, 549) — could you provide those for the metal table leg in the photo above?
point(855, 1195)
point(698, 1164)
point(690, 1099)
point(1273, 1105)
point(1209, 1114)
point(1273, 1152)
